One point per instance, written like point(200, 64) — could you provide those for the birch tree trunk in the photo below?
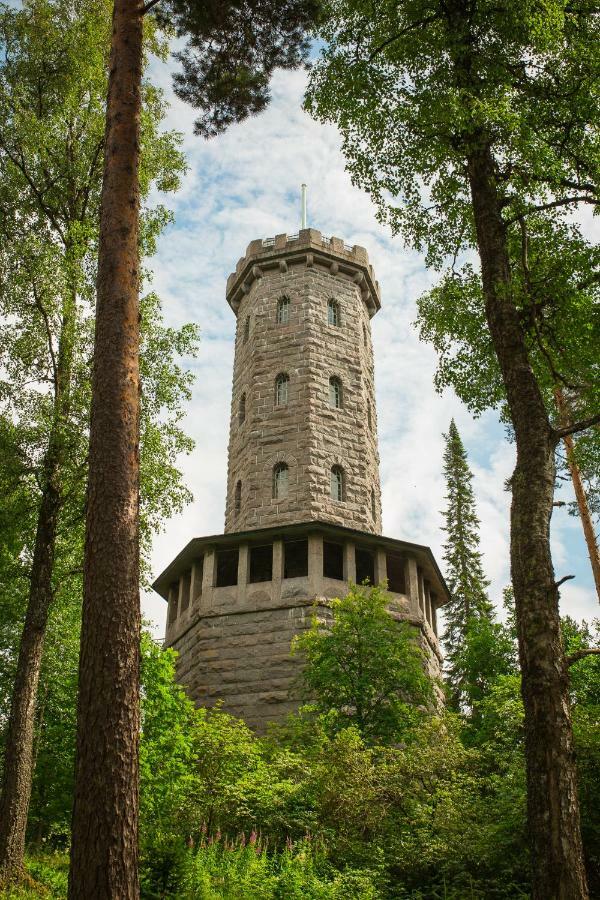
point(553, 807)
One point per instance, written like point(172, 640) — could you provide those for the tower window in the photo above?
point(337, 483)
point(369, 416)
point(280, 481)
point(283, 310)
point(373, 504)
point(242, 410)
point(246, 329)
point(365, 335)
point(333, 312)
point(335, 392)
point(237, 503)
point(281, 389)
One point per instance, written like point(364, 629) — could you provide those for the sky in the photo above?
point(245, 185)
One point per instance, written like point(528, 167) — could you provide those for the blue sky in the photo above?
point(246, 185)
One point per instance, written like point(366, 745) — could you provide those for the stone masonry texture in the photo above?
point(233, 639)
point(305, 433)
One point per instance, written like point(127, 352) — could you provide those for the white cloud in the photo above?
point(246, 184)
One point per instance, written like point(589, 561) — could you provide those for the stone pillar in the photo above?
point(350, 562)
point(277, 576)
point(412, 586)
point(173, 606)
point(380, 567)
point(243, 571)
point(421, 590)
point(434, 614)
point(208, 578)
point(315, 565)
point(427, 592)
point(196, 582)
point(184, 592)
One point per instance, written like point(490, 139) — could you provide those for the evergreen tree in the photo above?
point(464, 570)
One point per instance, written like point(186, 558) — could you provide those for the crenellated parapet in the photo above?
point(307, 248)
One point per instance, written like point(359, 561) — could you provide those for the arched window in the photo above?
point(365, 335)
point(337, 483)
point(333, 312)
point(373, 512)
point(237, 503)
point(283, 310)
point(242, 410)
point(280, 481)
point(246, 329)
point(281, 389)
point(369, 416)
point(335, 392)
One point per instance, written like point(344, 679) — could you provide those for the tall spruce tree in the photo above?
point(464, 569)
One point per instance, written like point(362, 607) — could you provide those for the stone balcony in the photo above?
point(294, 566)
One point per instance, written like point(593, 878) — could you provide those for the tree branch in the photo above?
point(412, 27)
point(578, 426)
point(581, 654)
point(148, 6)
point(557, 584)
point(565, 201)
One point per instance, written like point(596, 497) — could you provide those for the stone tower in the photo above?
point(303, 508)
point(303, 399)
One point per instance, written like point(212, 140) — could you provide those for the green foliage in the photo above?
point(416, 89)
point(53, 81)
point(315, 811)
point(365, 668)
point(231, 51)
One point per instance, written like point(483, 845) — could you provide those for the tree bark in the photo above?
point(104, 853)
point(18, 753)
point(553, 808)
point(19, 757)
point(584, 510)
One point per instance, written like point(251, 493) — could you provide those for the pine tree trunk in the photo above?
point(104, 852)
point(553, 809)
point(18, 752)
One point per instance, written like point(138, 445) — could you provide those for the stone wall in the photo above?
point(305, 434)
point(234, 641)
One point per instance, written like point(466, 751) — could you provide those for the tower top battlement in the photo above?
point(307, 247)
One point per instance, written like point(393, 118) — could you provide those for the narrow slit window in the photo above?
point(369, 416)
point(280, 481)
point(242, 410)
point(337, 483)
point(283, 310)
point(281, 389)
point(373, 507)
point(237, 504)
point(335, 393)
point(333, 312)
point(246, 329)
point(365, 341)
